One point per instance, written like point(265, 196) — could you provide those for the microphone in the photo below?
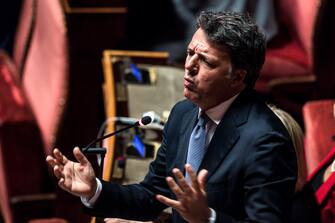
point(154, 116)
point(145, 120)
point(156, 119)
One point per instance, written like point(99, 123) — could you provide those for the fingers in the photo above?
point(181, 181)
point(193, 177)
point(52, 162)
point(112, 220)
point(175, 188)
point(169, 202)
point(202, 178)
point(57, 163)
point(80, 156)
point(178, 190)
point(198, 182)
point(182, 188)
point(61, 184)
point(119, 220)
point(60, 158)
point(58, 171)
point(191, 198)
point(55, 159)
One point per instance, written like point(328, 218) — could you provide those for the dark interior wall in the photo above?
point(9, 15)
point(155, 26)
point(89, 33)
point(324, 51)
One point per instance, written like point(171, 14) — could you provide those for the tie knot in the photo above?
point(203, 119)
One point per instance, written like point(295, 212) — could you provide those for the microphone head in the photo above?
point(145, 120)
point(154, 117)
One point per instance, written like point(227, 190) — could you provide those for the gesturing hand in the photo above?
point(191, 200)
point(120, 220)
point(75, 178)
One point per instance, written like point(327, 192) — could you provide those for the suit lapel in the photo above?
point(187, 126)
point(226, 134)
point(222, 142)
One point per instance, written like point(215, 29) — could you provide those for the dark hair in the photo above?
point(240, 35)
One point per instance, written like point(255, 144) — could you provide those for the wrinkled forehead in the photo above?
point(201, 44)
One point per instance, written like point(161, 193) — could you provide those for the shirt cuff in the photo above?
point(90, 202)
point(212, 218)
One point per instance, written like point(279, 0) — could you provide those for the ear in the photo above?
point(238, 78)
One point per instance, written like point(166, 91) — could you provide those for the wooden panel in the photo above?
point(118, 108)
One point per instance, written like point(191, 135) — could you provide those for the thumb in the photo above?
point(80, 157)
point(202, 178)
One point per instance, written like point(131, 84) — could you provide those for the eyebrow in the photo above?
point(207, 56)
point(203, 53)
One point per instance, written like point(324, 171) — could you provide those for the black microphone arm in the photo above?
point(143, 121)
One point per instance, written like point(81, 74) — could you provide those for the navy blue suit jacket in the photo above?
point(250, 160)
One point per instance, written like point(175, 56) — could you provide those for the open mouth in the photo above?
point(189, 84)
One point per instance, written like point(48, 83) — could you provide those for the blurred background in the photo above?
point(73, 70)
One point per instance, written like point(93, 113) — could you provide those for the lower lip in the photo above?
point(187, 83)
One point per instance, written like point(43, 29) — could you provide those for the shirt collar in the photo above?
point(216, 113)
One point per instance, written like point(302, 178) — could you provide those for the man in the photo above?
point(247, 171)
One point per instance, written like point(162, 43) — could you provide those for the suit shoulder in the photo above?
point(183, 106)
point(252, 108)
point(179, 111)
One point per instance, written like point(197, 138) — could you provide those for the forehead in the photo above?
point(201, 44)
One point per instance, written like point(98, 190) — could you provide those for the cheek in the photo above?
point(206, 86)
point(218, 86)
point(204, 78)
point(208, 79)
point(212, 82)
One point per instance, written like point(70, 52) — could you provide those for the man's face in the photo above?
point(208, 71)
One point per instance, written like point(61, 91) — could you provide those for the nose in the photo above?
point(191, 64)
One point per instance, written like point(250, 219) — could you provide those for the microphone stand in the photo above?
point(101, 152)
point(87, 149)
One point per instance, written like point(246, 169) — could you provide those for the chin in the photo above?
point(191, 96)
point(188, 95)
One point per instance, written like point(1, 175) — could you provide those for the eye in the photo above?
point(190, 52)
point(206, 62)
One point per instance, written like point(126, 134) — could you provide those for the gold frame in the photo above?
point(92, 10)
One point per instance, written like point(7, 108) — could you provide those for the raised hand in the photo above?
point(77, 178)
point(191, 200)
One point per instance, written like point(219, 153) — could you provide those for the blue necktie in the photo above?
point(196, 147)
